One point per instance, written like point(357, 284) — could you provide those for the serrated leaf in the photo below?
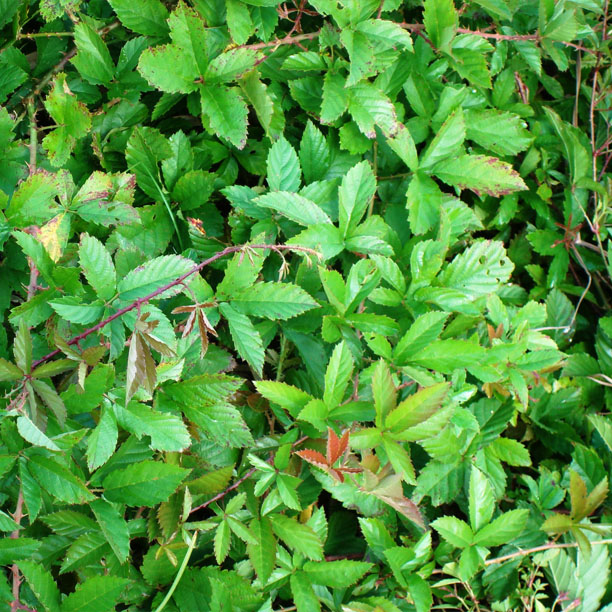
point(42, 584)
point(102, 440)
point(370, 107)
point(262, 554)
point(287, 396)
point(245, 337)
point(480, 174)
point(447, 142)
point(417, 408)
point(222, 423)
point(167, 431)
point(336, 574)
point(153, 275)
point(284, 172)
point(303, 594)
point(9, 371)
point(97, 267)
point(501, 132)
point(147, 17)
point(231, 65)
point(14, 549)
point(297, 536)
point(146, 483)
point(503, 529)
point(99, 594)
point(273, 301)
point(481, 499)
point(337, 375)
point(455, 531)
point(441, 20)
point(355, 193)
point(113, 527)
point(29, 432)
point(227, 113)
point(294, 207)
point(93, 59)
point(58, 480)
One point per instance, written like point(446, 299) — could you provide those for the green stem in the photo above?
point(281, 358)
point(179, 574)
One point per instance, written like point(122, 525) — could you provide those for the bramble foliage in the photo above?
point(305, 305)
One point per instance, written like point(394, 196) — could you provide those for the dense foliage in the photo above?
point(305, 305)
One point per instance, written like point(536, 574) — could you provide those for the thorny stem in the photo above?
point(549, 546)
point(143, 300)
point(17, 516)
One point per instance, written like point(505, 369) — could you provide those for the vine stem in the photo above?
point(179, 574)
point(143, 300)
point(549, 546)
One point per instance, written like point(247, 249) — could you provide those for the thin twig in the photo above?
point(147, 298)
point(549, 546)
point(225, 491)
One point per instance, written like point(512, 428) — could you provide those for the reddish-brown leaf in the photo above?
point(314, 457)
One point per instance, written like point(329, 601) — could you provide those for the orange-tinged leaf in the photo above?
point(314, 457)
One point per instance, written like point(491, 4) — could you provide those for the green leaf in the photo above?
point(417, 408)
point(42, 584)
point(73, 310)
point(336, 574)
point(355, 193)
point(153, 66)
point(284, 170)
point(58, 480)
point(113, 527)
point(297, 536)
point(93, 60)
point(231, 65)
point(265, 104)
point(71, 115)
point(447, 355)
point(222, 542)
point(146, 483)
point(503, 529)
point(262, 554)
point(361, 54)
point(425, 329)
point(455, 531)
point(29, 432)
point(273, 301)
point(227, 113)
point(97, 267)
point(14, 549)
point(501, 132)
point(370, 107)
point(481, 499)
point(403, 145)
point(222, 423)
point(9, 371)
point(239, 21)
point(147, 17)
point(337, 375)
point(146, 147)
point(387, 33)
point(480, 174)
point(245, 337)
point(294, 207)
point(287, 396)
point(335, 97)
point(441, 20)
point(33, 201)
point(167, 431)
point(447, 142)
point(102, 440)
point(193, 189)
point(153, 276)
point(97, 594)
point(479, 270)
point(303, 594)
point(188, 32)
